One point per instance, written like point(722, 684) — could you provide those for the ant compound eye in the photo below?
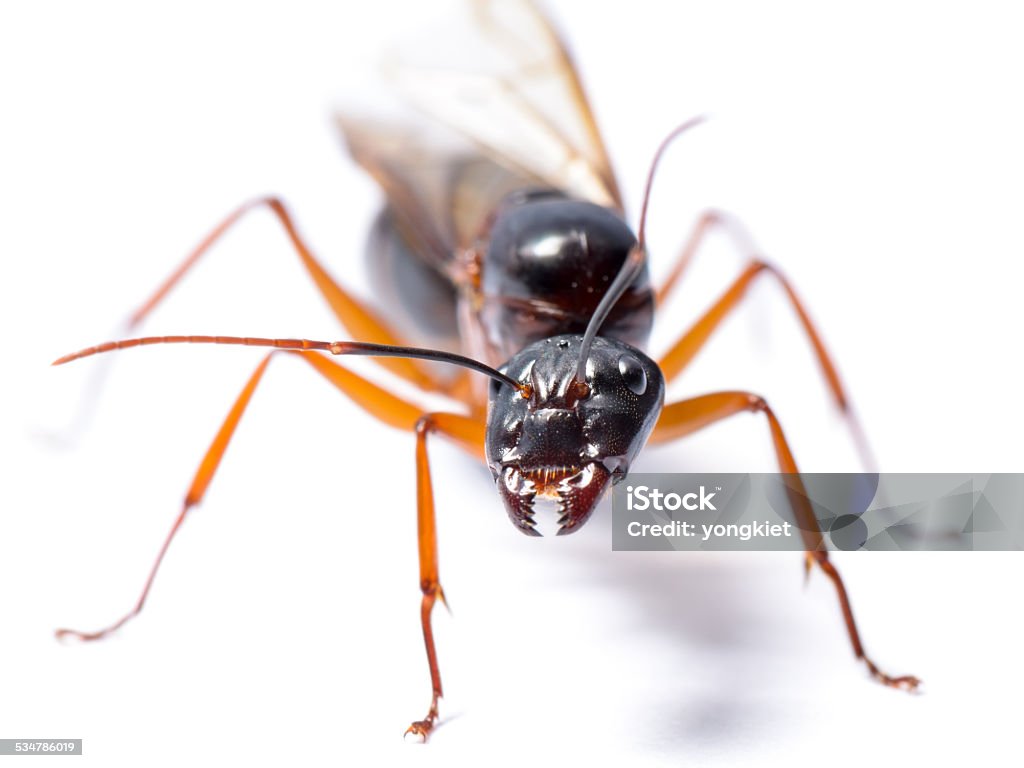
point(633, 374)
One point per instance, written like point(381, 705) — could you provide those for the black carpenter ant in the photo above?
point(515, 253)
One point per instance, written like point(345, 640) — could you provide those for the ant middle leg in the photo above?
point(686, 348)
point(362, 322)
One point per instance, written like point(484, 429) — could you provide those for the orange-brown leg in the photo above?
point(394, 411)
point(377, 401)
point(360, 321)
point(679, 356)
point(686, 416)
point(706, 222)
point(207, 468)
point(686, 348)
point(469, 433)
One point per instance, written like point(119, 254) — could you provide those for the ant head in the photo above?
point(564, 440)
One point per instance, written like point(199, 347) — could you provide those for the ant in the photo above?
point(517, 257)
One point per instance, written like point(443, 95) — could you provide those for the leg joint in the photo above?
point(271, 201)
point(712, 217)
point(759, 264)
point(757, 404)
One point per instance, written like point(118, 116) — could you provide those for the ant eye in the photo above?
point(633, 374)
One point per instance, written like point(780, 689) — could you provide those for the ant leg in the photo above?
point(705, 223)
point(372, 398)
point(676, 359)
point(687, 416)
point(468, 432)
point(360, 321)
point(207, 468)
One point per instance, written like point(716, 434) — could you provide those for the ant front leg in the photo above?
point(687, 416)
point(394, 411)
point(468, 432)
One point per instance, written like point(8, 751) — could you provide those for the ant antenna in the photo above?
point(334, 347)
point(631, 267)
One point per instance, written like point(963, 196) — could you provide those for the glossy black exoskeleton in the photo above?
point(556, 445)
point(548, 263)
point(549, 260)
point(542, 263)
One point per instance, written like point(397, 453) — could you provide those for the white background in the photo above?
point(874, 152)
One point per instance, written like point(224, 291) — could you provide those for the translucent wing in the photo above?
point(509, 113)
point(512, 90)
point(440, 188)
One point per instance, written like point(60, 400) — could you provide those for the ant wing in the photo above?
point(514, 92)
point(440, 189)
point(509, 114)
